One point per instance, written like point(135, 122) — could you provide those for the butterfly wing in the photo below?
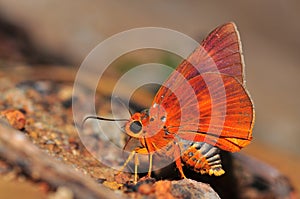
point(205, 99)
point(220, 52)
point(225, 116)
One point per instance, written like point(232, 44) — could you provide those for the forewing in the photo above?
point(223, 45)
point(220, 52)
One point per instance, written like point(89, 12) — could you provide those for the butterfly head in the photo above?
point(135, 126)
point(147, 124)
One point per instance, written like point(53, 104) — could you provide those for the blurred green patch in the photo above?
point(136, 58)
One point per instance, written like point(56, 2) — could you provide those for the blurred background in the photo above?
point(269, 30)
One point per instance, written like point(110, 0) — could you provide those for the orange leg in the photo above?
point(136, 162)
point(178, 161)
point(144, 151)
point(150, 165)
point(127, 161)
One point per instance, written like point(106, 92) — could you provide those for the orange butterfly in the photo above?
point(201, 108)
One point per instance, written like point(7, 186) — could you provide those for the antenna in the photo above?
point(101, 118)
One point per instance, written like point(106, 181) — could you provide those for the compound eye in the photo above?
point(135, 127)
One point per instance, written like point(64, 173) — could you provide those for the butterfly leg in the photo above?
point(150, 165)
point(178, 161)
point(136, 163)
point(127, 161)
point(134, 154)
point(144, 151)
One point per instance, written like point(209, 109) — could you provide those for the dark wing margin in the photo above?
point(220, 52)
point(225, 48)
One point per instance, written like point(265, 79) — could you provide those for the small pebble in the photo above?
point(101, 180)
point(50, 147)
point(145, 189)
point(62, 193)
point(15, 118)
point(33, 134)
point(58, 141)
point(44, 187)
point(4, 167)
point(112, 185)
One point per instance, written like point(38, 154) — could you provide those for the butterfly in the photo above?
point(202, 108)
